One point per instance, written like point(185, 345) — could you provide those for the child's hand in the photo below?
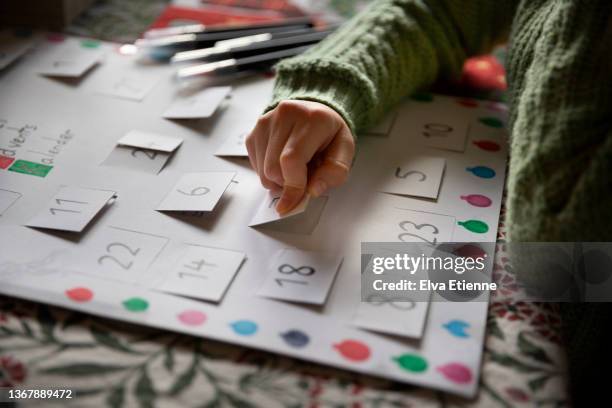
point(300, 146)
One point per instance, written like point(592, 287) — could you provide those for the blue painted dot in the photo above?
point(482, 171)
point(457, 328)
point(295, 338)
point(244, 327)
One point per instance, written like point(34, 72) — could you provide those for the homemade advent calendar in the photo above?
point(126, 195)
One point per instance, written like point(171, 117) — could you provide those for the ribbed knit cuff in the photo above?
point(334, 85)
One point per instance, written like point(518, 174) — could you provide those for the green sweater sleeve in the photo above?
point(389, 50)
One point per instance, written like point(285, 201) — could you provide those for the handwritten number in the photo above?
point(437, 130)
point(381, 300)
point(109, 256)
point(418, 227)
point(302, 270)
point(198, 191)
point(280, 281)
point(148, 153)
point(398, 174)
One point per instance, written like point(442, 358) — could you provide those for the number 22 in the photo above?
point(124, 266)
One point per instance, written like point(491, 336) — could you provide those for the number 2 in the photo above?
point(124, 266)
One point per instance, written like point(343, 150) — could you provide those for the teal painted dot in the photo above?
point(457, 328)
point(475, 226)
point(136, 304)
point(90, 43)
point(422, 97)
point(492, 122)
point(244, 327)
point(482, 171)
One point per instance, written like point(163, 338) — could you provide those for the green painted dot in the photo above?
point(90, 43)
point(422, 97)
point(136, 304)
point(476, 226)
point(411, 362)
point(492, 122)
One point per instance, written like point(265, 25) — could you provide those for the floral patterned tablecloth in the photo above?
point(113, 364)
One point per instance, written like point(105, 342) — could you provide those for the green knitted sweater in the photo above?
point(560, 77)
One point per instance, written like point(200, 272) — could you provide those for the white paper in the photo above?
point(301, 276)
point(203, 272)
point(446, 130)
point(197, 191)
point(71, 209)
point(233, 146)
point(7, 199)
point(267, 210)
point(69, 61)
point(11, 48)
point(120, 254)
point(134, 158)
point(201, 105)
point(127, 86)
point(354, 212)
point(150, 141)
point(397, 317)
point(418, 176)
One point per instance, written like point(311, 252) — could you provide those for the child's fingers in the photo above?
point(335, 165)
point(256, 143)
point(300, 148)
point(280, 132)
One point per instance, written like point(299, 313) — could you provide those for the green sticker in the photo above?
point(411, 362)
point(422, 97)
point(476, 226)
point(136, 304)
point(28, 167)
point(492, 122)
point(90, 43)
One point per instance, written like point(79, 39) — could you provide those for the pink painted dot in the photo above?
point(55, 37)
point(192, 317)
point(456, 372)
point(487, 145)
point(79, 294)
point(353, 350)
point(497, 107)
point(477, 200)
point(468, 103)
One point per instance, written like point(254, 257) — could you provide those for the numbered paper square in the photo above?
point(138, 159)
point(197, 192)
point(71, 209)
point(203, 272)
point(201, 105)
point(418, 176)
point(266, 213)
point(301, 276)
point(69, 60)
point(150, 141)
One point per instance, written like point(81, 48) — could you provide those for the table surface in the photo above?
point(115, 364)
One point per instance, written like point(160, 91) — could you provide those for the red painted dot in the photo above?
point(470, 251)
point(468, 103)
point(79, 294)
point(487, 145)
point(353, 350)
point(55, 37)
